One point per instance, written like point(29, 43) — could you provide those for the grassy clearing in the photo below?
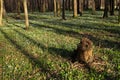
point(43, 52)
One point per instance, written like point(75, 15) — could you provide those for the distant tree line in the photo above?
point(48, 5)
point(59, 7)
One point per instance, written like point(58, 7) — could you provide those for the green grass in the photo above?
point(43, 51)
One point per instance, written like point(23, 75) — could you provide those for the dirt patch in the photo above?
point(2, 45)
point(98, 65)
point(0, 71)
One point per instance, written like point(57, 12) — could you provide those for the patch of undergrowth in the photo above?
point(43, 51)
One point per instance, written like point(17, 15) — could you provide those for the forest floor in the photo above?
point(43, 52)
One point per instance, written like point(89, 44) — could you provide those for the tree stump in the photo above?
point(84, 51)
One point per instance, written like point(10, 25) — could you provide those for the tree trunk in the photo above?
point(39, 7)
point(112, 7)
point(26, 14)
point(105, 15)
point(86, 4)
point(69, 5)
point(74, 8)
point(80, 7)
point(4, 12)
point(46, 5)
point(119, 13)
point(66, 2)
point(93, 7)
point(63, 10)
point(97, 4)
point(1, 11)
point(18, 9)
point(55, 9)
point(50, 5)
point(102, 4)
point(44, 8)
point(58, 7)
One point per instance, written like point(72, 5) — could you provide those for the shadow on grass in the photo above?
point(114, 29)
point(39, 62)
point(104, 75)
point(104, 43)
point(34, 17)
point(44, 67)
point(70, 33)
point(97, 41)
point(62, 52)
point(58, 51)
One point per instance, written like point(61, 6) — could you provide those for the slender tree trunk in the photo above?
point(43, 6)
point(38, 2)
point(63, 10)
point(74, 8)
point(4, 11)
point(105, 15)
point(69, 5)
point(93, 7)
point(58, 7)
point(50, 5)
point(119, 13)
point(26, 14)
point(55, 8)
point(97, 3)
point(18, 9)
point(66, 2)
point(46, 5)
point(102, 4)
point(86, 4)
point(80, 7)
point(1, 11)
point(112, 7)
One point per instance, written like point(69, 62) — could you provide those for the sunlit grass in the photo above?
point(43, 52)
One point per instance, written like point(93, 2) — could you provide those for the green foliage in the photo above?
point(43, 52)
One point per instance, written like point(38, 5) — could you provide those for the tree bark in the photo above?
point(46, 5)
point(18, 9)
point(119, 13)
point(97, 4)
point(26, 13)
point(66, 2)
point(86, 4)
point(4, 11)
point(93, 7)
point(71, 4)
point(55, 8)
point(58, 7)
point(74, 8)
point(63, 10)
point(112, 7)
point(80, 7)
point(102, 4)
point(105, 15)
point(43, 6)
point(1, 11)
point(39, 7)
